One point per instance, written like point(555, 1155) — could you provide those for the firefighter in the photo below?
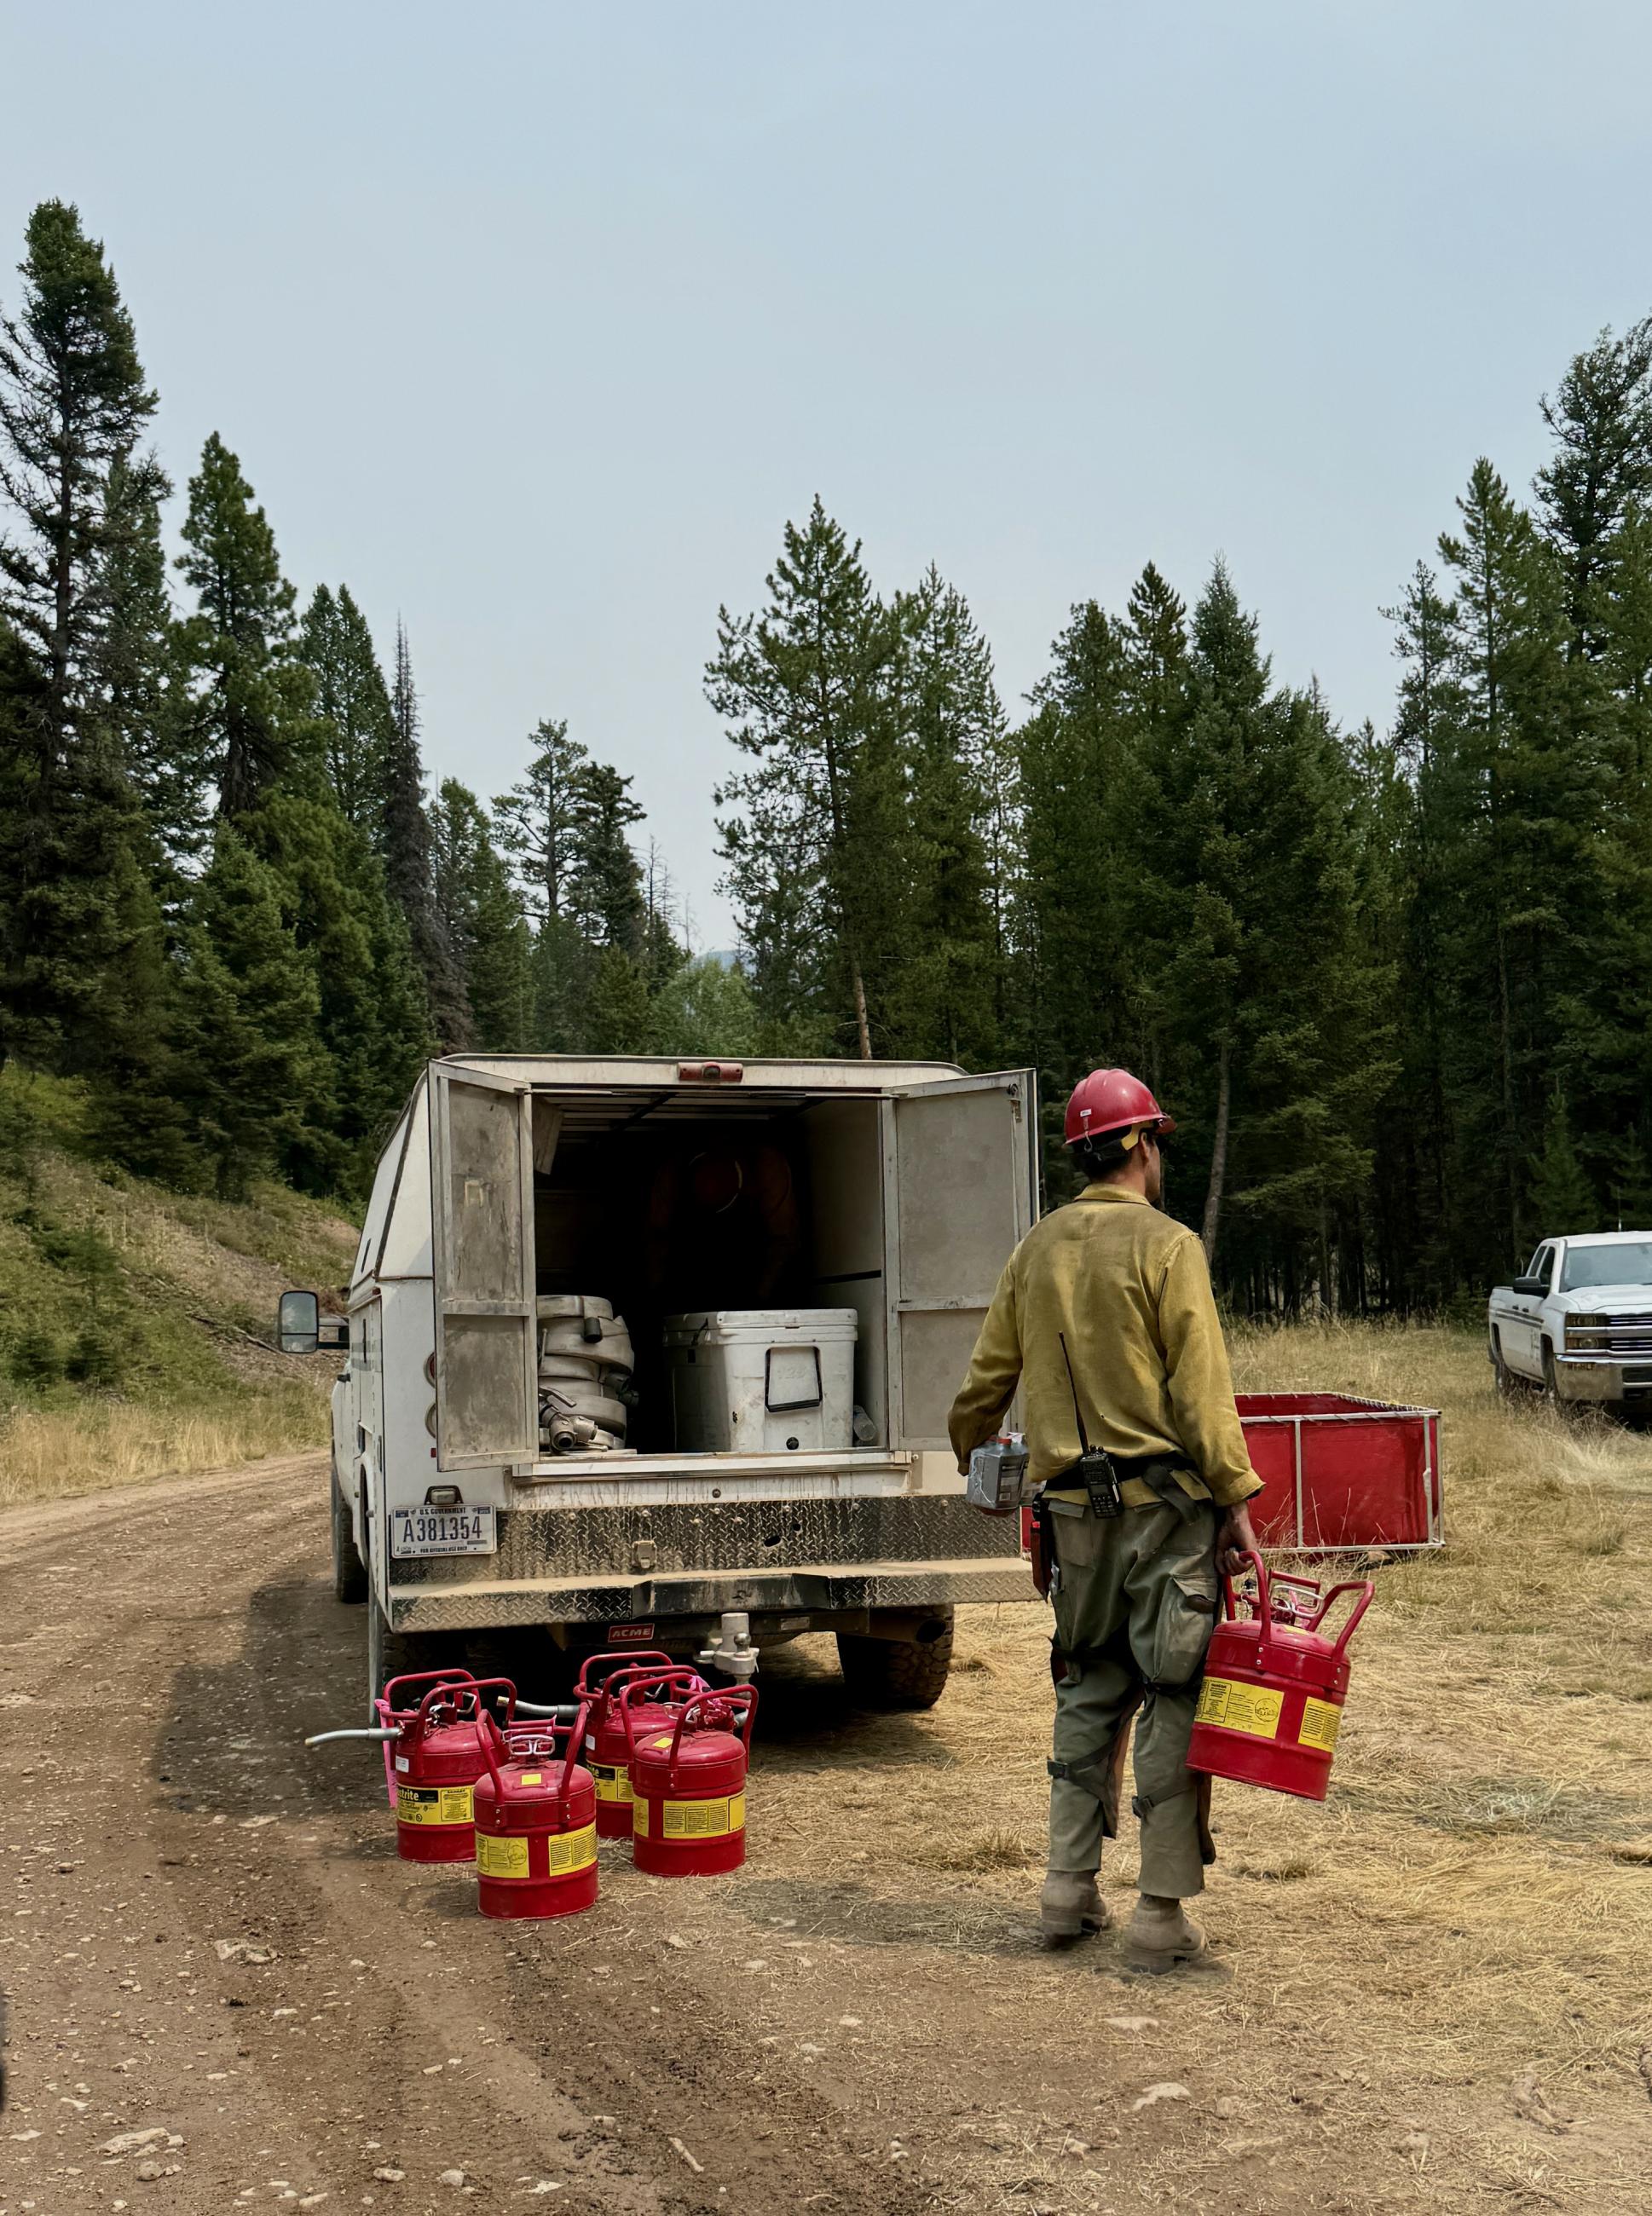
point(1117, 1294)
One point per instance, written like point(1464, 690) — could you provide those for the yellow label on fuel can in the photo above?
point(434, 1805)
point(565, 1854)
point(1321, 1721)
point(693, 1819)
point(574, 1850)
point(612, 1780)
point(1237, 1707)
point(500, 1857)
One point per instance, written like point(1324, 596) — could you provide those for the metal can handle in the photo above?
point(473, 1686)
point(1366, 1591)
point(425, 1678)
point(584, 1689)
point(746, 1695)
point(690, 1680)
point(490, 1735)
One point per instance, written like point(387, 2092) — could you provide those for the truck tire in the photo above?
point(349, 1570)
point(895, 1673)
point(1502, 1377)
point(1550, 1375)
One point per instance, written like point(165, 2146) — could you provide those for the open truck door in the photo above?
point(960, 1188)
point(482, 1240)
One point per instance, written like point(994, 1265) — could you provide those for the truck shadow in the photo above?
point(233, 1745)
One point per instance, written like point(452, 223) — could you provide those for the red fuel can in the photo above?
point(437, 1760)
point(1271, 1704)
point(602, 1679)
point(689, 1783)
point(535, 1825)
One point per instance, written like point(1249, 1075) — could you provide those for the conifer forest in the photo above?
point(1394, 984)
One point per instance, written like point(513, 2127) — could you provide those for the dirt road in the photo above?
point(209, 1941)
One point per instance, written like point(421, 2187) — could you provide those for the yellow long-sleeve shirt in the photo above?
point(1129, 1287)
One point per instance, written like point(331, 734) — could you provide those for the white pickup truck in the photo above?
point(1579, 1321)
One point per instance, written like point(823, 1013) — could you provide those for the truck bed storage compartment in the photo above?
point(762, 1381)
point(886, 1195)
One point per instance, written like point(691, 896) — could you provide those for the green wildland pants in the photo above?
point(1135, 1606)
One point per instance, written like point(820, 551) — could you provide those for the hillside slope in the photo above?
point(137, 1323)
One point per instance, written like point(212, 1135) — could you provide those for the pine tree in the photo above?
point(616, 1016)
point(73, 405)
point(1077, 764)
point(1601, 419)
point(815, 835)
point(948, 999)
point(1561, 1198)
point(404, 839)
point(350, 695)
point(1509, 858)
point(371, 1022)
point(705, 1007)
point(607, 893)
point(138, 678)
point(256, 1075)
point(237, 644)
point(537, 824)
point(1265, 1003)
point(664, 950)
point(484, 922)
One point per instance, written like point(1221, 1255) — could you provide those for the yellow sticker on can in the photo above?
point(574, 1850)
point(436, 1805)
point(508, 1858)
point(533, 1777)
point(1321, 1721)
point(500, 1857)
point(1237, 1707)
point(612, 1780)
point(693, 1819)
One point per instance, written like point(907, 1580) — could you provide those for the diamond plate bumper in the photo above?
point(611, 1565)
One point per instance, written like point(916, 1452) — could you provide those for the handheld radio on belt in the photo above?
point(1093, 1469)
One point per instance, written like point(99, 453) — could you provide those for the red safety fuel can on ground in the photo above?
point(689, 1783)
point(436, 1758)
point(1271, 1704)
point(535, 1822)
point(602, 1679)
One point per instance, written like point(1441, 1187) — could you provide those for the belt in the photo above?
point(1149, 1481)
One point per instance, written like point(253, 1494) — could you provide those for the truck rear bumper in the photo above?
point(629, 1565)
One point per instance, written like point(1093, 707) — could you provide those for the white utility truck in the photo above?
point(637, 1345)
point(1579, 1321)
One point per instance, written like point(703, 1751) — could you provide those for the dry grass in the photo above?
point(47, 1454)
point(1472, 1904)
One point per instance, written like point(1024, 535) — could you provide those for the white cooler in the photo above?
point(762, 1381)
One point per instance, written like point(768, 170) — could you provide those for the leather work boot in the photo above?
point(1070, 1907)
point(1160, 1934)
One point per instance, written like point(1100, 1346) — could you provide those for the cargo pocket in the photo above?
point(1076, 1536)
point(1186, 1619)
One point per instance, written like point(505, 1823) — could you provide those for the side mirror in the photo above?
point(1539, 1285)
point(298, 1323)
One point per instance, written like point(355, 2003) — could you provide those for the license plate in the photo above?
point(442, 1531)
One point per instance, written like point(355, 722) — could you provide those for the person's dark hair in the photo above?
point(1100, 1160)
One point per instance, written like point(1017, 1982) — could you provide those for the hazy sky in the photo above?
point(534, 322)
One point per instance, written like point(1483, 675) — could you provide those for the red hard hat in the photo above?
point(1108, 1101)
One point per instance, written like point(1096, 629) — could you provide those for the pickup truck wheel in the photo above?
point(895, 1673)
point(1503, 1377)
point(349, 1570)
point(1550, 1374)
